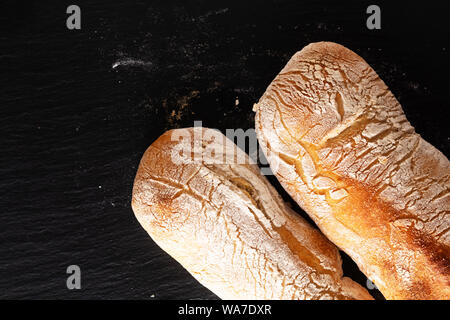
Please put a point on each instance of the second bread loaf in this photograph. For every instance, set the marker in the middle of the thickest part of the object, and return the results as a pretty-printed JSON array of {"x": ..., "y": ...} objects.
[{"x": 200, "y": 199}]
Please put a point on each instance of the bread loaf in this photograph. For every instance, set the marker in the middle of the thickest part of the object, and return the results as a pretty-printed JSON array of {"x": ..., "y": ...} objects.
[
  {"x": 340, "y": 144},
  {"x": 203, "y": 202}
]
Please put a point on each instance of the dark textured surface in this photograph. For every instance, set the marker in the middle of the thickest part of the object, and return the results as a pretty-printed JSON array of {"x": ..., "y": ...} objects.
[{"x": 73, "y": 128}]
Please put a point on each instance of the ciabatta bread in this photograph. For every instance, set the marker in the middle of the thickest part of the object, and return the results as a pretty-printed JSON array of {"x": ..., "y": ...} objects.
[
  {"x": 201, "y": 201},
  {"x": 340, "y": 144}
]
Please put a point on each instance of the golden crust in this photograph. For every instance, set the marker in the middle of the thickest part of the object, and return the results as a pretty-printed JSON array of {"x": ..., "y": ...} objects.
[
  {"x": 228, "y": 227},
  {"x": 344, "y": 150}
]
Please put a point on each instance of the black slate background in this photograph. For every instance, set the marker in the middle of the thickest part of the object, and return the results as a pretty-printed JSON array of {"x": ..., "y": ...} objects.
[{"x": 73, "y": 128}]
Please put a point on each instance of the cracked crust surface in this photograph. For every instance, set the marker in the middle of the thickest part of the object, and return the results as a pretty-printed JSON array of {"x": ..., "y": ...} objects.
[
  {"x": 223, "y": 222},
  {"x": 340, "y": 144}
]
